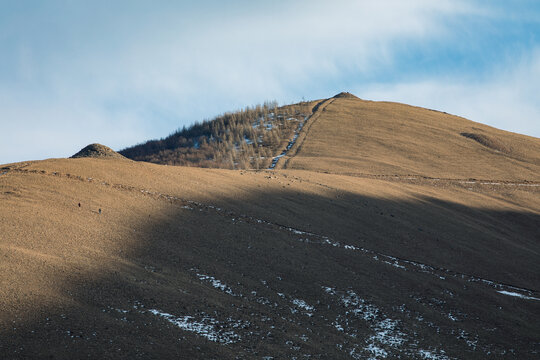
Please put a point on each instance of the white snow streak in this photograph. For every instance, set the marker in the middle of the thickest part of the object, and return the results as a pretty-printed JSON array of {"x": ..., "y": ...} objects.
[
  {"x": 207, "y": 327},
  {"x": 511, "y": 293},
  {"x": 216, "y": 283}
]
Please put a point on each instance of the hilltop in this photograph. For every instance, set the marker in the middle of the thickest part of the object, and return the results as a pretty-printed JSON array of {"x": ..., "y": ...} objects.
[
  {"x": 97, "y": 151},
  {"x": 353, "y": 136},
  {"x": 345, "y": 95},
  {"x": 383, "y": 231}
]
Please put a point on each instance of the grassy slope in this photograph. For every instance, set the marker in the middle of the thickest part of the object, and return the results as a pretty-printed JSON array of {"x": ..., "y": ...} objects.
[
  {"x": 75, "y": 281},
  {"x": 353, "y": 136}
]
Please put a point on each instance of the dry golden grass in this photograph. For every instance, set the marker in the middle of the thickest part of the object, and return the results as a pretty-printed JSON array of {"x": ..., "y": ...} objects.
[
  {"x": 353, "y": 136},
  {"x": 79, "y": 283}
]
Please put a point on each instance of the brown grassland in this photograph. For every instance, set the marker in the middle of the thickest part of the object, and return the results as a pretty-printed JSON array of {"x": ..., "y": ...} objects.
[{"x": 387, "y": 231}]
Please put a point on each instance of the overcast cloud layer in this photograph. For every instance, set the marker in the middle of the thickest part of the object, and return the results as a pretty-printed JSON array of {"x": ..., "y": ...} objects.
[{"x": 119, "y": 73}]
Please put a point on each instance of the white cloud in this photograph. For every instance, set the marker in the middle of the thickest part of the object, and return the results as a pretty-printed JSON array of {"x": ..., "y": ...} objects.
[
  {"x": 40, "y": 130},
  {"x": 122, "y": 73}
]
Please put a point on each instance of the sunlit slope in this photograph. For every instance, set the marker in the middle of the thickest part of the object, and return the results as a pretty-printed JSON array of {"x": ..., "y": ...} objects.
[
  {"x": 348, "y": 135},
  {"x": 263, "y": 261}
]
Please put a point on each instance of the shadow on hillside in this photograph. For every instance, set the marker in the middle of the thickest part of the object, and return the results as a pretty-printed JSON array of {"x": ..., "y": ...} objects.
[{"x": 249, "y": 260}]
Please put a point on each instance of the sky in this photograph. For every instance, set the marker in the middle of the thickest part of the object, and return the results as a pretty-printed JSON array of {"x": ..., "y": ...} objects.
[{"x": 75, "y": 72}]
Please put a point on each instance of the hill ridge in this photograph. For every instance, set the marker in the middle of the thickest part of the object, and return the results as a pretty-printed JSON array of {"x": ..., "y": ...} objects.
[
  {"x": 357, "y": 136},
  {"x": 350, "y": 134}
]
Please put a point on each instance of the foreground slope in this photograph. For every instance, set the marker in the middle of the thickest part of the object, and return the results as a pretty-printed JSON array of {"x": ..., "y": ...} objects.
[
  {"x": 348, "y": 135},
  {"x": 173, "y": 262}
]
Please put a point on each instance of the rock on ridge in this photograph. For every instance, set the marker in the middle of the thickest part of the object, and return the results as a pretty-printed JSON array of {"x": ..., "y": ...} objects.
[{"x": 346, "y": 95}]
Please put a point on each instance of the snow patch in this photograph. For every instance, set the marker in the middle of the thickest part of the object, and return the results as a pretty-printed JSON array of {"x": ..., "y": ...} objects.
[
  {"x": 515, "y": 294},
  {"x": 290, "y": 144},
  {"x": 376, "y": 351},
  {"x": 429, "y": 355},
  {"x": 386, "y": 333},
  {"x": 216, "y": 283},
  {"x": 207, "y": 327},
  {"x": 304, "y": 306}
]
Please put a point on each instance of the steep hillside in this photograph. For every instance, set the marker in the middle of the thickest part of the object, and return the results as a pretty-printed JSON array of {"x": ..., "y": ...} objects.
[
  {"x": 347, "y": 135},
  {"x": 109, "y": 258}
]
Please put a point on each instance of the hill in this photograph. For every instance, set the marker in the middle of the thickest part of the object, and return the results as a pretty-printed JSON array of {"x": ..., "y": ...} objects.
[
  {"x": 348, "y": 135},
  {"x": 110, "y": 258},
  {"x": 353, "y": 136},
  {"x": 246, "y": 139},
  {"x": 97, "y": 151}
]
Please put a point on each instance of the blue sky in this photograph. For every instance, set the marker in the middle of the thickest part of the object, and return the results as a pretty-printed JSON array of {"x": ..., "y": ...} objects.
[{"x": 122, "y": 72}]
